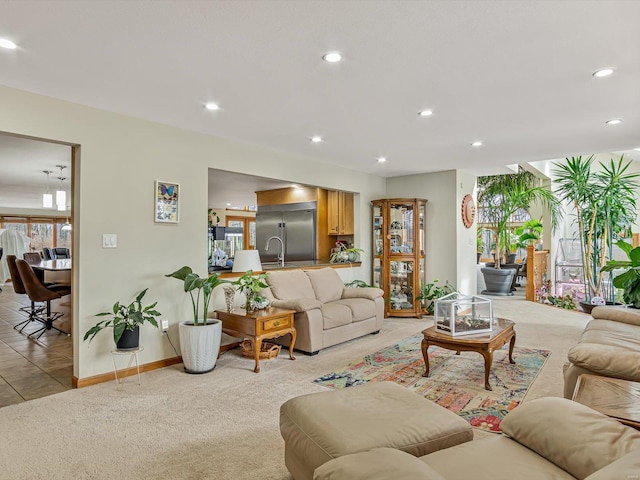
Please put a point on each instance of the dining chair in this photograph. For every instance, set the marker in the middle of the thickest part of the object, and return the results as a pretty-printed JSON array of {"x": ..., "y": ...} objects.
[
  {"x": 18, "y": 287},
  {"x": 32, "y": 258},
  {"x": 38, "y": 292}
]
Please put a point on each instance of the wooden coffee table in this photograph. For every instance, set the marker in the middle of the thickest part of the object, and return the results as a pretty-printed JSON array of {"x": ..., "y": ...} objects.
[
  {"x": 484, "y": 344},
  {"x": 619, "y": 399},
  {"x": 260, "y": 325}
]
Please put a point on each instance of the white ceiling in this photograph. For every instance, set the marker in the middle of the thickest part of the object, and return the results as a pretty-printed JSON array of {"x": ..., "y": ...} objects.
[{"x": 515, "y": 74}]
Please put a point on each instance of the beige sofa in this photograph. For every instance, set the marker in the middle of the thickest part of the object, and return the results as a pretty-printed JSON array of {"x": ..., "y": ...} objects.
[
  {"x": 609, "y": 346},
  {"x": 327, "y": 313},
  {"x": 547, "y": 438}
]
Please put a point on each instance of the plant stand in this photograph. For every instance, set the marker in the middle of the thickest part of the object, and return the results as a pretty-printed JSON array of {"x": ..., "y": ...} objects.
[{"x": 133, "y": 357}]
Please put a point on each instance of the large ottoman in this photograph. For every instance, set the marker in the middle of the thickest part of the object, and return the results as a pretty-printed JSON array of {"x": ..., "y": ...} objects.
[{"x": 322, "y": 426}]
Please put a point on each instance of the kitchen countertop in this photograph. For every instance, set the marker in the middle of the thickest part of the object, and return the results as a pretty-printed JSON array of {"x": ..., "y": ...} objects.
[{"x": 298, "y": 265}]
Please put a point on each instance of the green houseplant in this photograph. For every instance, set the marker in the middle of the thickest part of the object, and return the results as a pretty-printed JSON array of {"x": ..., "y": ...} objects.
[
  {"x": 604, "y": 204},
  {"x": 345, "y": 255},
  {"x": 251, "y": 286},
  {"x": 200, "y": 337},
  {"x": 430, "y": 292},
  {"x": 629, "y": 280},
  {"x": 126, "y": 321},
  {"x": 500, "y": 198}
]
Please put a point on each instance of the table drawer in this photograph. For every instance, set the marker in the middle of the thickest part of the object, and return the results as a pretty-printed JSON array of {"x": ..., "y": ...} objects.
[{"x": 276, "y": 324}]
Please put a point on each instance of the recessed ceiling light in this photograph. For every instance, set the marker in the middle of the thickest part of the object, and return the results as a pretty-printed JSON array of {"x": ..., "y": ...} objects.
[
  {"x": 614, "y": 121},
  {"x": 382, "y": 159},
  {"x": 604, "y": 72},
  {"x": 426, "y": 113},
  {"x": 4, "y": 43},
  {"x": 228, "y": 204},
  {"x": 476, "y": 144},
  {"x": 332, "y": 57},
  {"x": 637, "y": 149},
  {"x": 316, "y": 139},
  {"x": 211, "y": 106}
]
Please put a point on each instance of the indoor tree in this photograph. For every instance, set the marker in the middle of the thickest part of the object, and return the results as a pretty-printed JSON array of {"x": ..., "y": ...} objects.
[
  {"x": 502, "y": 196},
  {"x": 604, "y": 204}
]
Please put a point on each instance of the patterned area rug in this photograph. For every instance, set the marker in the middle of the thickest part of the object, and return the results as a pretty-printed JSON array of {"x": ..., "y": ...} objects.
[{"x": 456, "y": 382}]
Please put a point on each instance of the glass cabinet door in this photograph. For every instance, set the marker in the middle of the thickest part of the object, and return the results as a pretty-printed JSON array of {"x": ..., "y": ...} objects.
[
  {"x": 401, "y": 285},
  {"x": 377, "y": 229},
  {"x": 401, "y": 228}
]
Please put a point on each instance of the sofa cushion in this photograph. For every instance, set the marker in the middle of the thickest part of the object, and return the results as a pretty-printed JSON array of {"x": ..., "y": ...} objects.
[
  {"x": 570, "y": 435},
  {"x": 289, "y": 285},
  {"x": 326, "y": 283},
  {"x": 606, "y": 360},
  {"x": 493, "y": 458},
  {"x": 376, "y": 464},
  {"x": 335, "y": 315},
  {"x": 361, "y": 309},
  {"x": 627, "y": 468},
  {"x": 297, "y": 304}
]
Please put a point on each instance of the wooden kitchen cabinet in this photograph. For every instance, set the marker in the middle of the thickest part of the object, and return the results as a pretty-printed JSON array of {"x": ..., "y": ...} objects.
[
  {"x": 339, "y": 213},
  {"x": 399, "y": 253}
]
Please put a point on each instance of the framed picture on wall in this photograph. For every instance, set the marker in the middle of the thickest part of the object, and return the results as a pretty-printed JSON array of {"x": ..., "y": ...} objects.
[{"x": 167, "y": 202}]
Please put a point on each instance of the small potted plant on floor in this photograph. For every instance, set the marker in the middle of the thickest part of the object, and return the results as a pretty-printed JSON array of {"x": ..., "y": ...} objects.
[
  {"x": 199, "y": 338},
  {"x": 126, "y": 321}
]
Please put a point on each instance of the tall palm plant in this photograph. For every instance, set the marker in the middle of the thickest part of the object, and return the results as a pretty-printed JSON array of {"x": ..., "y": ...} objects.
[
  {"x": 604, "y": 203},
  {"x": 504, "y": 195}
]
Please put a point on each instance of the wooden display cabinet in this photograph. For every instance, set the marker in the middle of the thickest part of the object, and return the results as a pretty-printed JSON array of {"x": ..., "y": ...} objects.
[{"x": 399, "y": 253}]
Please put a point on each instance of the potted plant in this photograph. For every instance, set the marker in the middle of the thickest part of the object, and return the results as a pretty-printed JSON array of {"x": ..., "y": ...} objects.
[
  {"x": 430, "y": 292},
  {"x": 346, "y": 255},
  {"x": 501, "y": 197},
  {"x": 126, "y": 321},
  {"x": 251, "y": 286},
  {"x": 629, "y": 280},
  {"x": 604, "y": 204},
  {"x": 199, "y": 338}
]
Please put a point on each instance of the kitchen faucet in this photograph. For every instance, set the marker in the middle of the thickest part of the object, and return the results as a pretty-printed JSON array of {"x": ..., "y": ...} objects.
[{"x": 281, "y": 254}]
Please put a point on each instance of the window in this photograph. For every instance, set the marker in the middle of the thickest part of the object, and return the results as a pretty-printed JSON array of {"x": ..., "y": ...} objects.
[
  {"x": 248, "y": 239},
  {"x": 43, "y": 231}
]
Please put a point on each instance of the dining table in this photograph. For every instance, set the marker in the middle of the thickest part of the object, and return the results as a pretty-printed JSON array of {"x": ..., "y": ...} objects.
[{"x": 52, "y": 270}]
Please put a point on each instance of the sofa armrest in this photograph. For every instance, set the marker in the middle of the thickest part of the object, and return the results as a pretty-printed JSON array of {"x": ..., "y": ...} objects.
[
  {"x": 616, "y": 314},
  {"x": 298, "y": 304},
  {"x": 376, "y": 464},
  {"x": 370, "y": 293},
  {"x": 575, "y": 438}
]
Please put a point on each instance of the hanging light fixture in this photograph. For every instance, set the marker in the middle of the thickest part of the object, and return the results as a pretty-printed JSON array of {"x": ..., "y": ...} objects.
[
  {"x": 47, "y": 198},
  {"x": 61, "y": 194},
  {"x": 66, "y": 227}
]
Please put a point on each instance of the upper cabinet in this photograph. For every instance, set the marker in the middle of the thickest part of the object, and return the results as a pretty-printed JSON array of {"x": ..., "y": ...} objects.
[{"x": 339, "y": 213}]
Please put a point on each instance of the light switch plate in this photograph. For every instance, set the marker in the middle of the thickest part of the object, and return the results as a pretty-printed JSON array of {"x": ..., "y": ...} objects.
[{"x": 109, "y": 240}]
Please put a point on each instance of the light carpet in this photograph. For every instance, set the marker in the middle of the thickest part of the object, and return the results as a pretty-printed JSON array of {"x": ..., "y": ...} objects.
[
  {"x": 456, "y": 382},
  {"x": 222, "y": 425}
]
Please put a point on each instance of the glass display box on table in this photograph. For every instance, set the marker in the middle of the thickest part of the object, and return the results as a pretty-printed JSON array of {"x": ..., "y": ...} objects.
[
  {"x": 399, "y": 253},
  {"x": 457, "y": 314}
]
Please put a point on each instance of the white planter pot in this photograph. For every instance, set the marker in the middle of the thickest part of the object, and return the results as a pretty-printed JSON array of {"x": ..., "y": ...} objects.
[{"x": 200, "y": 345}]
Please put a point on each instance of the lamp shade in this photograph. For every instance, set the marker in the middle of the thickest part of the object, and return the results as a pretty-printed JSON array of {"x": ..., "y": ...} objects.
[
  {"x": 246, "y": 260},
  {"x": 47, "y": 200}
]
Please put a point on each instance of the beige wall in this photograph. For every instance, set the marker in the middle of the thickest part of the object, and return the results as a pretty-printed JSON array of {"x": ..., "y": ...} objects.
[
  {"x": 120, "y": 157},
  {"x": 449, "y": 254}
]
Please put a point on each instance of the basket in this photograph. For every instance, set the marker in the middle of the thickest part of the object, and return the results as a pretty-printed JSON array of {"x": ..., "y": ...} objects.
[{"x": 267, "y": 350}]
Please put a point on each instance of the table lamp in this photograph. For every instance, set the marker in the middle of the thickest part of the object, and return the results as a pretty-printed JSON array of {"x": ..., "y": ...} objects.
[{"x": 246, "y": 260}]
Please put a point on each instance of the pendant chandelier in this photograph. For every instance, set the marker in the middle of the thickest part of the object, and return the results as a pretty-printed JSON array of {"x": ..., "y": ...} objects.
[
  {"x": 47, "y": 198},
  {"x": 61, "y": 194}
]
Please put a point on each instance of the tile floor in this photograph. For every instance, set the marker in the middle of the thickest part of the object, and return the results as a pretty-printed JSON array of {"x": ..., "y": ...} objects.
[{"x": 32, "y": 368}]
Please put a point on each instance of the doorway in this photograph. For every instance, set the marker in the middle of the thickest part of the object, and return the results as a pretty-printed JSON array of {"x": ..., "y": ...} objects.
[{"x": 33, "y": 367}]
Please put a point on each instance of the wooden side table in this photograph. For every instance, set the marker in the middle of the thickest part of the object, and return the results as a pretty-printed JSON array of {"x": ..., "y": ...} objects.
[
  {"x": 619, "y": 399},
  {"x": 260, "y": 325}
]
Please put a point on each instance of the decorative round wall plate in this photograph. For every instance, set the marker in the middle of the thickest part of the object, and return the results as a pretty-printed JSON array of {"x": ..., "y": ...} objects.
[{"x": 468, "y": 211}]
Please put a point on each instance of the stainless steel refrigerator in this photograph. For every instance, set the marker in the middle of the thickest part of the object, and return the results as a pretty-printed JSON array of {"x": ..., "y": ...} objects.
[{"x": 294, "y": 223}]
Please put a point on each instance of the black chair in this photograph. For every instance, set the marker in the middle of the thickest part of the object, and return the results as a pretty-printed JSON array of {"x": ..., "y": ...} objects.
[
  {"x": 61, "y": 252},
  {"x": 47, "y": 253},
  {"x": 38, "y": 292},
  {"x": 34, "y": 310}
]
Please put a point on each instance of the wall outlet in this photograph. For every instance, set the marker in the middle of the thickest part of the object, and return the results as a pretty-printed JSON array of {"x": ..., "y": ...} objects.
[{"x": 165, "y": 325}]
